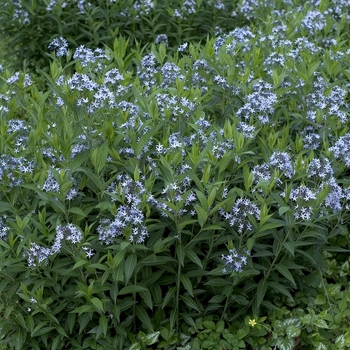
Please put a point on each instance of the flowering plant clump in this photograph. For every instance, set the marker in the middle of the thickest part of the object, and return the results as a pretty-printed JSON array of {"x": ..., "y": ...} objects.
[{"x": 156, "y": 187}]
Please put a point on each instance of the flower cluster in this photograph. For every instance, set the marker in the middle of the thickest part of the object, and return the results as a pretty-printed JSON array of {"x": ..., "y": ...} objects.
[
  {"x": 68, "y": 232},
  {"x": 314, "y": 21},
  {"x": 4, "y": 227},
  {"x": 239, "y": 214},
  {"x": 259, "y": 103},
  {"x": 13, "y": 170},
  {"x": 301, "y": 195},
  {"x": 235, "y": 261},
  {"x": 171, "y": 72},
  {"x": 37, "y": 254},
  {"x": 283, "y": 162},
  {"x": 146, "y": 73},
  {"x": 60, "y": 45},
  {"x": 320, "y": 168},
  {"x": 311, "y": 138},
  {"x": 335, "y": 195},
  {"x": 87, "y": 56},
  {"x": 176, "y": 192},
  {"x": 162, "y": 39},
  {"x": 341, "y": 149},
  {"x": 261, "y": 172},
  {"x": 129, "y": 220},
  {"x": 142, "y": 7}
]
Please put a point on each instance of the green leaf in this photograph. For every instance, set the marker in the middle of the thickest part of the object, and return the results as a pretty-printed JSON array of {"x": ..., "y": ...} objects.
[
  {"x": 292, "y": 332},
  {"x": 180, "y": 253},
  {"x": 99, "y": 266},
  {"x": 202, "y": 200},
  {"x": 99, "y": 157},
  {"x": 343, "y": 305},
  {"x": 290, "y": 246},
  {"x": 217, "y": 282},
  {"x": 193, "y": 257},
  {"x": 78, "y": 161},
  {"x": 142, "y": 315},
  {"x": 169, "y": 295},
  {"x": 271, "y": 225},
  {"x": 135, "y": 346},
  {"x": 189, "y": 320},
  {"x": 129, "y": 267},
  {"x": 166, "y": 171},
  {"x": 103, "y": 322},
  {"x": 285, "y": 344},
  {"x": 76, "y": 210},
  {"x": 98, "y": 304},
  {"x": 275, "y": 286},
  {"x": 83, "y": 321},
  {"x": 152, "y": 338},
  {"x": 202, "y": 215},
  {"x": 211, "y": 228},
  {"x": 313, "y": 68},
  {"x": 152, "y": 278},
  {"x": 82, "y": 309},
  {"x": 154, "y": 260},
  {"x": 206, "y": 173},
  {"x": 209, "y": 325},
  {"x": 40, "y": 329},
  {"x": 56, "y": 342},
  {"x": 71, "y": 321},
  {"x": 283, "y": 210},
  {"x": 190, "y": 302},
  {"x": 131, "y": 289},
  {"x": 211, "y": 196},
  {"x": 147, "y": 298},
  {"x": 117, "y": 259},
  {"x": 4, "y": 206},
  {"x": 225, "y": 160},
  {"x": 80, "y": 263},
  {"x": 260, "y": 292},
  {"x": 93, "y": 178},
  {"x": 220, "y": 326},
  {"x": 61, "y": 331},
  {"x": 283, "y": 270},
  {"x": 185, "y": 280},
  {"x": 19, "y": 339},
  {"x": 147, "y": 136}
]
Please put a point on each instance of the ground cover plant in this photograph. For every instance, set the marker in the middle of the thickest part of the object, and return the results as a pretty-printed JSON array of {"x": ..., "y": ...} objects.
[{"x": 181, "y": 194}]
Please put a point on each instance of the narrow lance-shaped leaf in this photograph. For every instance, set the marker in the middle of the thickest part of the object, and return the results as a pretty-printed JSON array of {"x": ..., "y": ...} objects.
[
  {"x": 143, "y": 317},
  {"x": 260, "y": 293},
  {"x": 285, "y": 272},
  {"x": 130, "y": 264},
  {"x": 185, "y": 280},
  {"x": 202, "y": 215},
  {"x": 169, "y": 295},
  {"x": 180, "y": 253}
]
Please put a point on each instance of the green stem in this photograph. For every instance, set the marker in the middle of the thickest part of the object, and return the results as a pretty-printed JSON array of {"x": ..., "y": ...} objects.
[
  {"x": 209, "y": 252},
  {"x": 178, "y": 296},
  {"x": 324, "y": 287},
  {"x": 134, "y": 305},
  {"x": 279, "y": 250},
  {"x": 178, "y": 280},
  {"x": 227, "y": 299}
]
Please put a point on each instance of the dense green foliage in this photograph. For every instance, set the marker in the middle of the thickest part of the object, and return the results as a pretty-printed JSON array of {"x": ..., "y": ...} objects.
[
  {"x": 177, "y": 195},
  {"x": 30, "y": 26}
]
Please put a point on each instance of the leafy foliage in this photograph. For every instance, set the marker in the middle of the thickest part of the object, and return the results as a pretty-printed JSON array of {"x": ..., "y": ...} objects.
[
  {"x": 172, "y": 191},
  {"x": 31, "y": 26}
]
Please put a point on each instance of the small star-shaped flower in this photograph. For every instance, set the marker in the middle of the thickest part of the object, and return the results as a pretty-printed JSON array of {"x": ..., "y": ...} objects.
[{"x": 252, "y": 322}]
